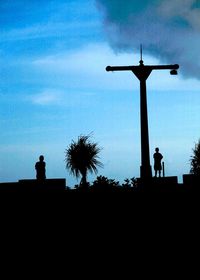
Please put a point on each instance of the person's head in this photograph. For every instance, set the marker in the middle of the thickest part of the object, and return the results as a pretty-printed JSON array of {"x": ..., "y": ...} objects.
[
  {"x": 157, "y": 150},
  {"x": 41, "y": 158}
]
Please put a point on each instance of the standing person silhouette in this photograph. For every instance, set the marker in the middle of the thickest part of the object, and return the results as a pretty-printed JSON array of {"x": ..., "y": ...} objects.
[
  {"x": 157, "y": 162},
  {"x": 40, "y": 169}
]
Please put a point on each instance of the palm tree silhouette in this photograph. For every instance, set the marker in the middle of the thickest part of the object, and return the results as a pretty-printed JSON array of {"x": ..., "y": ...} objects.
[
  {"x": 195, "y": 160},
  {"x": 82, "y": 157}
]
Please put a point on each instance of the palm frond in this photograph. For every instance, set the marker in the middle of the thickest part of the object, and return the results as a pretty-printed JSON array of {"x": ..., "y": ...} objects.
[
  {"x": 195, "y": 160},
  {"x": 82, "y": 156}
]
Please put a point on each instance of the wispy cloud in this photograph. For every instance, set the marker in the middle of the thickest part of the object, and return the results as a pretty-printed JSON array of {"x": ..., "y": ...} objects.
[
  {"x": 61, "y": 98},
  {"x": 85, "y": 68},
  {"x": 46, "y": 97},
  {"x": 54, "y": 19},
  {"x": 38, "y": 31}
]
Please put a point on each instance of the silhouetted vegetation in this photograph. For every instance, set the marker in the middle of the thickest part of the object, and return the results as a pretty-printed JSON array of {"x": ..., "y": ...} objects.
[
  {"x": 195, "y": 160},
  {"x": 105, "y": 185},
  {"x": 102, "y": 183},
  {"x": 82, "y": 157},
  {"x": 130, "y": 183}
]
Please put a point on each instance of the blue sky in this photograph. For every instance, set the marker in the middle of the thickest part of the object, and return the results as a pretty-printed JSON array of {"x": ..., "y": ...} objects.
[{"x": 54, "y": 87}]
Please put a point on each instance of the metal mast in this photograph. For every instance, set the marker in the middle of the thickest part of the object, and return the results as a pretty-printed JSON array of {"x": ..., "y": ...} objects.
[{"x": 142, "y": 72}]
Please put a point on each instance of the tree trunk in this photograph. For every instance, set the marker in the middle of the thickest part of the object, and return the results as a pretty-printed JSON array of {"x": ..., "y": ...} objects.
[{"x": 84, "y": 183}]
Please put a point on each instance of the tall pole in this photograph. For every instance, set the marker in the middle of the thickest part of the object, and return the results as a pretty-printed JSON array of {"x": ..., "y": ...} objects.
[
  {"x": 142, "y": 72},
  {"x": 145, "y": 169}
]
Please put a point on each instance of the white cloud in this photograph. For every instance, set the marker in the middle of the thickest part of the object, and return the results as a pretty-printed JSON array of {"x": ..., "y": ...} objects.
[
  {"x": 47, "y": 97},
  {"x": 85, "y": 68}
]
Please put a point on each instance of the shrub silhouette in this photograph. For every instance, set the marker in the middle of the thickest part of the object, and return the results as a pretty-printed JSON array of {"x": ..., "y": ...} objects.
[
  {"x": 195, "y": 160},
  {"x": 103, "y": 183},
  {"x": 130, "y": 183},
  {"x": 82, "y": 157}
]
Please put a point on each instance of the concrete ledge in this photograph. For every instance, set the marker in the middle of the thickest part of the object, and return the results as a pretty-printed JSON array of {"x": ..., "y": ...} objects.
[
  {"x": 160, "y": 184},
  {"x": 191, "y": 180},
  {"x": 8, "y": 186},
  {"x": 48, "y": 184},
  {"x": 165, "y": 183},
  {"x": 172, "y": 180},
  {"x": 34, "y": 185}
]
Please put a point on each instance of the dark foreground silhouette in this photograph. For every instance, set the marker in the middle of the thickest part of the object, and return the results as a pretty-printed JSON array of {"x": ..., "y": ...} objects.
[
  {"x": 142, "y": 72},
  {"x": 40, "y": 168},
  {"x": 157, "y": 162},
  {"x": 105, "y": 185}
]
